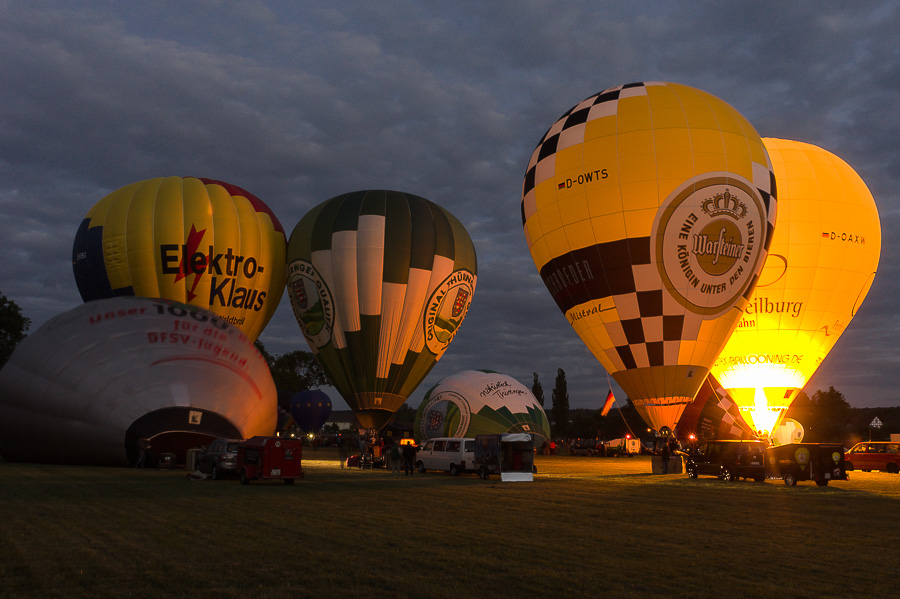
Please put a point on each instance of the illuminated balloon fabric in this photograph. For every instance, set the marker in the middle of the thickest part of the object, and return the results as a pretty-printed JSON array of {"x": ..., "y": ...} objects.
[
  {"x": 647, "y": 209},
  {"x": 379, "y": 282},
  {"x": 197, "y": 241},
  {"x": 821, "y": 264},
  {"x": 90, "y": 382},
  {"x": 712, "y": 415},
  {"x": 310, "y": 409},
  {"x": 474, "y": 402}
]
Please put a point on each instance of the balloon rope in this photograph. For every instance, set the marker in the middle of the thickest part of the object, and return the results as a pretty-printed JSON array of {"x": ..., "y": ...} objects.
[{"x": 616, "y": 403}]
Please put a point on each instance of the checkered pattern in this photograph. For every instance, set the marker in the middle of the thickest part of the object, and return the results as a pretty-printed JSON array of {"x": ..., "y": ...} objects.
[{"x": 569, "y": 131}]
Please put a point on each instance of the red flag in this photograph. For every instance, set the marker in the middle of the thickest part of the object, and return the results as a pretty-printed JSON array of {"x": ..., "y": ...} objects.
[{"x": 610, "y": 400}]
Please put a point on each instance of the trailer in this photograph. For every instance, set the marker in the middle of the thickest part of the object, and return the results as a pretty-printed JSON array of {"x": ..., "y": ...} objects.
[
  {"x": 793, "y": 462},
  {"x": 270, "y": 458},
  {"x": 509, "y": 455}
]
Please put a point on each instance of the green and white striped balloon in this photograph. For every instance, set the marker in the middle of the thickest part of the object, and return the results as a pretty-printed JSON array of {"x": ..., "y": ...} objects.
[{"x": 379, "y": 282}]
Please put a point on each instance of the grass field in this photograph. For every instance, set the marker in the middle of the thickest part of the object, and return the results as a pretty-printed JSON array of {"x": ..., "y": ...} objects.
[{"x": 586, "y": 527}]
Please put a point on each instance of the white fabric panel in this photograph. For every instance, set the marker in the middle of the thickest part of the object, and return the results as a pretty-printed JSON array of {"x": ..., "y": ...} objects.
[
  {"x": 370, "y": 256},
  {"x": 322, "y": 261},
  {"x": 343, "y": 263},
  {"x": 413, "y": 312},
  {"x": 391, "y": 316}
]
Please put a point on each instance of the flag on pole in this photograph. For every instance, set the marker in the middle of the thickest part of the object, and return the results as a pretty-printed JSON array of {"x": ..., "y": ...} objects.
[{"x": 610, "y": 400}]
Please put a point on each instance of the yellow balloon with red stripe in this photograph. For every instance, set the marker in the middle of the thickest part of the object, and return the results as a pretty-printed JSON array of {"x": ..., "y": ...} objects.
[
  {"x": 647, "y": 209},
  {"x": 198, "y": 241},
  {"x": 821, "y": 264}
]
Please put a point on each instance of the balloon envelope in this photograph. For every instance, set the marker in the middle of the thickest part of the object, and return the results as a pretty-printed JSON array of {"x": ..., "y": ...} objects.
[
  {"x": 379, "y": 282},
  {"x": 712, "y": 415},
  {"x": 310, "y": 409},
  {"x": 647, "y": 209},
  {"x": 474, "y": 402},
  {"x": 821, "y": 264},
  {"x": 90, "y": 382},
  {"x": 196, "y": 241}
]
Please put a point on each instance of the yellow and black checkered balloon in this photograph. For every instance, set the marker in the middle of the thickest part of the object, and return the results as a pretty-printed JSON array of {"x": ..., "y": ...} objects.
[{"x": 648, "y": 209}]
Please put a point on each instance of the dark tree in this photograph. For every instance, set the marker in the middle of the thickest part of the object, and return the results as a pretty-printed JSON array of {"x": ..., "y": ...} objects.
[
  {"x": 294, "y": 371},
  {"x": 13, "y": 327},
  {"x": 832, "y": 415},
  {"x": 538, "y": 390},
  {"x": 561, "y": 404}
]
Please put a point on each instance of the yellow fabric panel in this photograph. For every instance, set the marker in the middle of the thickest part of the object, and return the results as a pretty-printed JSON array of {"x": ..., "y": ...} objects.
[
  {"x": 610, "y": 227},
  {"x": 580, "y": 234},
  {"x": 540, "y": 253},
  {"x": 633, "y": 115},
  {"x": 574, "y": 208},
  {"x": 640, "y": 195},
  {"x": 635, "y": 143},
  {"x": 557, "y": 242},
  {"x": 639, "y": 222},
  {"x": 140, "y": 234},
  {"x": 600, "y": 128},
  {"x": 639, "y": 169},
  {"x": 569, "y": 159}
]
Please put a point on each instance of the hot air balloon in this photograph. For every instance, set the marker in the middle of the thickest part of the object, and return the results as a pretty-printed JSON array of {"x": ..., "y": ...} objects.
[
  {"x": 91, "y": 382},
  {"x": 821, "y": 264},
  {"x": 712, "y": 415},
  {"x": 197, "y": 241},
  {"x": 648, "y": 209},
  {"x": 379, "y": 282},
  {"x": 310, "y": 409},
  {"x": 475, "y": 402}
]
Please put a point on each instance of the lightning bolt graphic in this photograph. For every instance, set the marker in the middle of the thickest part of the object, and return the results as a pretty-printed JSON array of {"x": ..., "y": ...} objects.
[{"x": 190, "y": 248}]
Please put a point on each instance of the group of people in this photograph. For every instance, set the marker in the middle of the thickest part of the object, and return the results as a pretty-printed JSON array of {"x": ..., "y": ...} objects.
[{"x": 394, "y": 455}]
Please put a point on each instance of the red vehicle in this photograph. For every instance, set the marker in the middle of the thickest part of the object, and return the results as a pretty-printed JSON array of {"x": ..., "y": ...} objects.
[{"x": 269, "y": 458}]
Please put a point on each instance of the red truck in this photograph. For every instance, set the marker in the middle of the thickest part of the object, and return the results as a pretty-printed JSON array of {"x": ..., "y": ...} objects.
[{"x": 269, "y": 458}]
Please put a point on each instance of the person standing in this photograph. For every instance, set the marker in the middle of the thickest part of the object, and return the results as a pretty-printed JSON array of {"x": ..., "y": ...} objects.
[
  {"x": 395, "y": 456},
  {"x": 343, "y": 447},
  {"x": 409, "y": 458},
  {"x": 664, "y": 457},
  {"x": 143, "y": 445}
]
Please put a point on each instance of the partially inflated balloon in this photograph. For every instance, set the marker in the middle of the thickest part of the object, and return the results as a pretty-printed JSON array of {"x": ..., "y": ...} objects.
[
  {"x": 712, "y": 415},
  {"x": 310, "y": 409},
  {"x": 197, "y": 241},
  {"x": 477, "y": 402},
  {"x": 821, "y": 264},
  {"x": 647, "y": 209},
  {"x": 379, "y": 281},
  {"x": 89, "y": 383}
]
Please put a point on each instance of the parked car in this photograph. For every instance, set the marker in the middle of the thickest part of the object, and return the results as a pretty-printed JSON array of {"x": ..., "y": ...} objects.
[
  {"x": 588, "y": 447},
  {"x": 219, "y": 458},
  {"x": 450, "y": 454},
  {"x": 821, "y": 462},
  {"x": 874, "y": 455},
  {"x": 728, "y": 460}
]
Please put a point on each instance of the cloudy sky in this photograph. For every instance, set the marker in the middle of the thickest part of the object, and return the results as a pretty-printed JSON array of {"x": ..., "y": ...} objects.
[{"x": 298, "y": 102}]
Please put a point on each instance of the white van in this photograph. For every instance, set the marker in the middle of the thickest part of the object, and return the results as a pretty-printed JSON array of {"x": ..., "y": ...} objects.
[{"x": 449, "y": 454}]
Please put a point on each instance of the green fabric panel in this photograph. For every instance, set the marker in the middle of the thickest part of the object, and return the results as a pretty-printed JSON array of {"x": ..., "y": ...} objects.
[
  {"x": 374, "y": 201},
  {"x": 465, "y": 249},
  {"x": 422, "y": 244},
  {"x": 301, "y": 240},
  {"x": 333, "y": 362},
  {"x": 443, "y": 232},
  {"x": 355, "y": 360},
  {"x": 368, "y": 339},
  {"x": 323, "y": 225},
  {"x": 420, "y": 367},
  {"x": 397, "y": 238},
  {"x": 347, "y": 216}
]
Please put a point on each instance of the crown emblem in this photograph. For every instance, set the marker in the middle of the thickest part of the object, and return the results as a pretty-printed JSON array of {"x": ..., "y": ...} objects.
[{"x": 724, "y": 204}]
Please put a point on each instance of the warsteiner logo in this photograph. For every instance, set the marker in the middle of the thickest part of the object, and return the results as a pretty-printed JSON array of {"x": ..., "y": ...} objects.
[
  {"x": 446, "y": 309},
  {"x": 708, "y": 238},
  {"x": 311, "y": 301}
]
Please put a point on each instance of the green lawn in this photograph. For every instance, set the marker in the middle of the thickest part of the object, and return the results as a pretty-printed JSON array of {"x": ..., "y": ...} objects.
[{"x": 586, "y": 527}]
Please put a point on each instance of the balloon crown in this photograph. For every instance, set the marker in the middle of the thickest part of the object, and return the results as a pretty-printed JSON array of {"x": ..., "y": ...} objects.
[{"x": 725, "y": 203}]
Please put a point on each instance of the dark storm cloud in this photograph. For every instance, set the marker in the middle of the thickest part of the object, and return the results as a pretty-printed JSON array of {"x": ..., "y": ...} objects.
[{"x": 298, "y": 102}]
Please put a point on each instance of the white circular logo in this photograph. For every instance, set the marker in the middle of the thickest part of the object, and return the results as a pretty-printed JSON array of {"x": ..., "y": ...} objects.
[
  {"x": 311, "y": 301},
  {"x": 446, "y": 309},
  {"x": 709, "y": 235}
]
